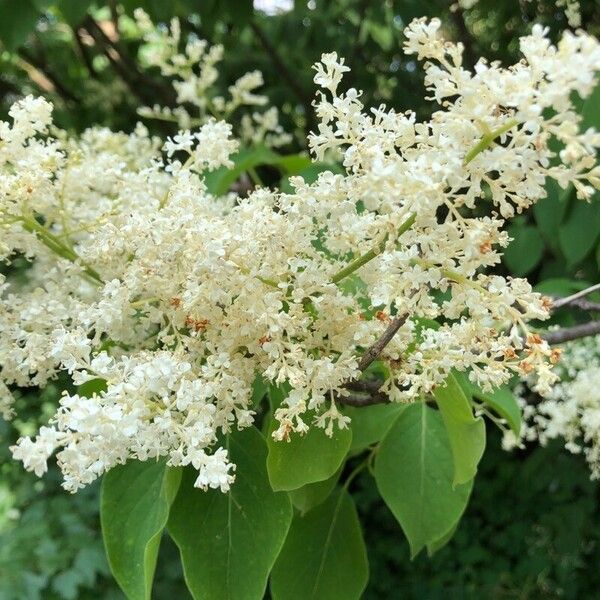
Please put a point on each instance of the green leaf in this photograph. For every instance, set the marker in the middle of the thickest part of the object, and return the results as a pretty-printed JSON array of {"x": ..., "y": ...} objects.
[
  {"x": 310, "y": 174},
  {"x": 578, "y": 235},
  {"x": 259, "y": 390},
  {"x": 311, "y": 495},
  {"x": 73, "y": 11},
  {"x": 305, "y": 458},
  {"x": 17, "y": 21},
  {"x": 229, "y": 542},
  {"x": 134, "y": 508},
  {"x": 324, "y": 556},
  {"x": 293, "y": 164},
  {"x": 439, "y": 544},
  {"x": 549, "y": 212},
  {"x": 370, "y": 423},
  {"x": 220, "y": 180},
  {"x": 465, "y": 432},
  {"x": 560, "y": 286},
  {"x": 590, "y": 111},
  {"x": 525, "y": 251},
  {"x": 414, "y": 471},
  {"x": 502, "y": 401},
  {"x": 91, "y": 387}
]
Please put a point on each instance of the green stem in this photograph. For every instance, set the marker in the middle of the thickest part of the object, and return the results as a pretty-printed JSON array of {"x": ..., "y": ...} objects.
[
  {"x": 372, "y": 253},
  {"x": 266, "y": 281},
  {"x": 57, "y": 246},
  {"x": 361, "y": 466},
  {"x": 256, "y": 180},
  {"x": 488, "y": 139},
  {"x": 367, "y": 463},
  {"x": 143, "y": 302},
  {"x": 449, "y": 274}
]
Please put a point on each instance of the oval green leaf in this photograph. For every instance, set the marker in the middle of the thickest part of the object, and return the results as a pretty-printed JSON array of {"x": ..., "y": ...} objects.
[
  {"x": 324, "y": 556},
  {"x": 311, "y": 495},
  {"x": 305, "y": 458},
  {"x": 525, "y": 251},
  {"x": 134, "y": 508},
  {"x": 466, "y": 433},
  {"x": 579, "y": 233},
  {"x": 229, "y": 542},
  {"x": 370, "y": 423},
  {"x": 414, "y": 471}
]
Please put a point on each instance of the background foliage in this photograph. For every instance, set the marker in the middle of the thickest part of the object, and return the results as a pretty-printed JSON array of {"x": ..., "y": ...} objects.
[{"x": 532, "y": 528}]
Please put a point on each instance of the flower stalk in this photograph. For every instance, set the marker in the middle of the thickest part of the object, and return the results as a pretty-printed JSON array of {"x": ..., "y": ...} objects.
[
  {"x": 58, "y": 246},
  {"x": 488, "y": 139},
  {"x": 362, "y": 260}
]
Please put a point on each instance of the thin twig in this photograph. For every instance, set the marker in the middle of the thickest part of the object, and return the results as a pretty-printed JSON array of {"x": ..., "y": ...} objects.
[
  {"x": 376, "y": 349},
  {"x": 359, "y": 400},
  {"x": 366, "y": 392},
  {"x": 66, "y": 94},
  {"x": 569, "y": 299},
  {"x": 83, "y": 54}
]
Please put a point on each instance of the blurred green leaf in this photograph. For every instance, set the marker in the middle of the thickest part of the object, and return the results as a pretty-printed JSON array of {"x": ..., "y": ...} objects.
[
  {"x": 309, "y": 174},
  {"x": 580, "y": 232},
  {"x": 73, "y": 11},
  {"x": 525, "y": 251},
  {"x": 549, "y": 212},
  {"x": 18, "y": 19},
  {"x": 220, "y": 180}
]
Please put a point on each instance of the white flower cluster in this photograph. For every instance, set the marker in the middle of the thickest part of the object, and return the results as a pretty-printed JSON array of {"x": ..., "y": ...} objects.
[
  {"x": 194, "y": 72},
  {"x": 178, "y": 300},
  {"x": 572, "y": 410}
]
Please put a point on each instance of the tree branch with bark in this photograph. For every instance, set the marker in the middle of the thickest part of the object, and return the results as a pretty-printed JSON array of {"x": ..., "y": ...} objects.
[{"x": 367, "y": 392}]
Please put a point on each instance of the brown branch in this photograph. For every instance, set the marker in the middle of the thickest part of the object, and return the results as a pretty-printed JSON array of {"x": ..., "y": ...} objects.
[
  {"x": 113, "y": 57},
  {"x": 359, "y": 400},
  {"x": 375, "y": 350},
  {"x": 126, "y": 68},
  {"x": 575, "y": 332},
  {"x": 366, "y": 392},
  {"x": 43, "y": 68},
  {"x": 84, "y": 55}
]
